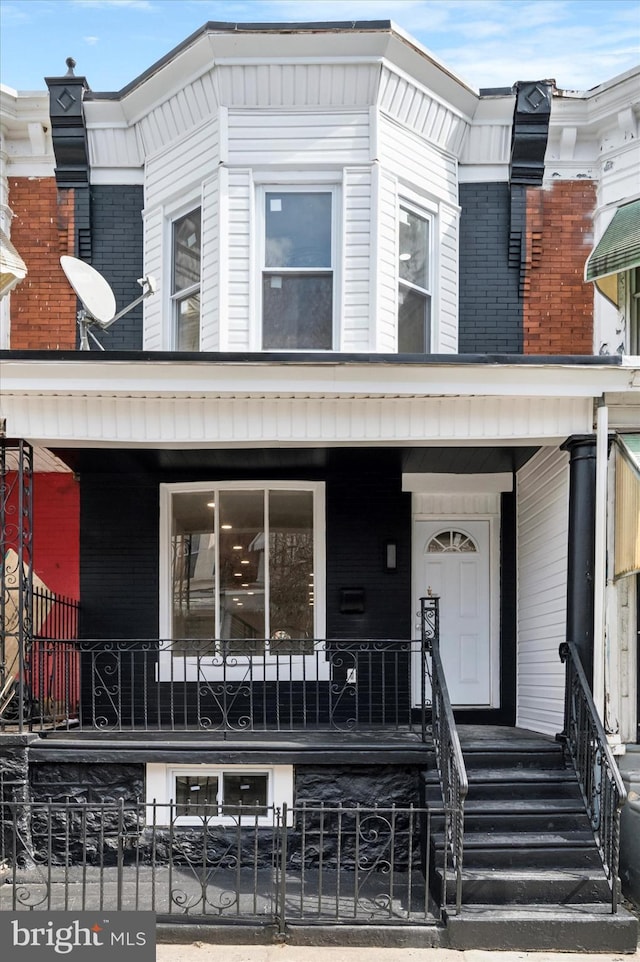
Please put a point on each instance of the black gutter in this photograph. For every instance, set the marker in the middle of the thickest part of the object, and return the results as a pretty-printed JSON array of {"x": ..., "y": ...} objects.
[{"x": 320, "y": 359}]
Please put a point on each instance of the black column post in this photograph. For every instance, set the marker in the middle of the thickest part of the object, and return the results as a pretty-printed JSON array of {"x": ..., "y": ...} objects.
[{"x": 582, "y": 535}]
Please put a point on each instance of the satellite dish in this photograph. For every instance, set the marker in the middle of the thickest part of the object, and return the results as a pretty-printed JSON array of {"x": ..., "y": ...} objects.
[{"x": 97, "y": 299}]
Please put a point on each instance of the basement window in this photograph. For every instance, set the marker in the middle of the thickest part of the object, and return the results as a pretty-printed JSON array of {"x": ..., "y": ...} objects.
[{"x": 222, "y": 795}]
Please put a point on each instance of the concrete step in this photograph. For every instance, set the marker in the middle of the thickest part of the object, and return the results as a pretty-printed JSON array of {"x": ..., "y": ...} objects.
[
  {"x": 536, "y": 928},
  {"x": 568, "y": 850},
  {"x": 524, "y": 886},
  {"x": 550, "y": 758}
]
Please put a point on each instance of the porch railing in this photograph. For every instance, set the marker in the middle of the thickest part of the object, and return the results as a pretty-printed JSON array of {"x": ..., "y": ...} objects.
[
  {"x": 446, "y": 742},
  {"x": 312, "y": 862},
  {"x": 206, "y": 685},
  {"x": 600, "y": 781},
  {"x": 42, "y": 679}
]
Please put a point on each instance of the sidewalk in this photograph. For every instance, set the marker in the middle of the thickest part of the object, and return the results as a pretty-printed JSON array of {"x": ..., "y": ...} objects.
[{"x": 199, "y": 952}]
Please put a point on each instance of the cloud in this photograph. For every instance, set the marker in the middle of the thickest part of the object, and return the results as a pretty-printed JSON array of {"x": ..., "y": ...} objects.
[{"x": 91, "y": 41}]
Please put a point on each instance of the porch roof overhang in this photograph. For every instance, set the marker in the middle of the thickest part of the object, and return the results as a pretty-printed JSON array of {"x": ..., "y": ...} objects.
[{"x": 84, "y": 399}]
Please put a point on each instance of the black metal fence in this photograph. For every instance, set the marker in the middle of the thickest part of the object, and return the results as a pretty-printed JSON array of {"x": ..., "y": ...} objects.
[
  {"x": 152, "y": 685},
  {"x": 308, "y": 863},
  {"x": 600, "y": 781},
  {"x": 42, "y": 685}
]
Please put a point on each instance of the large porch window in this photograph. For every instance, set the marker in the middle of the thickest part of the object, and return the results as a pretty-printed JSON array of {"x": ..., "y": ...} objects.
[{"x": 244, "y": 566}]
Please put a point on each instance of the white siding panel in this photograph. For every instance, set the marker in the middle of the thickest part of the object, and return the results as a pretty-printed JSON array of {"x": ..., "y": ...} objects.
[
  {"x": 114, "y": 147},
  {"x": 152, "y": 306},
  {"x": 298, "y": 137},
  {"x": 446, "y": 294},
  {"x": 210, "y": 291},
  {"x": 235, "y": 334},
  {"x": 173, "y": 119},
  {"x": 180, "y": 167},
  {"x": 386, "y": 271},
  {"x": 356, "y": 261},
  {"x": 543, "y": 512},
  {"x": 411, "y": 158},
  {"x": 297, "y": 84},
  {"x": 414, "y": 107}
]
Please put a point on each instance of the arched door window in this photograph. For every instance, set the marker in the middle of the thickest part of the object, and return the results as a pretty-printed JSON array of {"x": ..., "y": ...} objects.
[{"x": 451, "y": 542}]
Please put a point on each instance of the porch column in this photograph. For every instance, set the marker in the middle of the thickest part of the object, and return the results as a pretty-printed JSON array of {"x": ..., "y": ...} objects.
[{"x": 581, "y": 553}]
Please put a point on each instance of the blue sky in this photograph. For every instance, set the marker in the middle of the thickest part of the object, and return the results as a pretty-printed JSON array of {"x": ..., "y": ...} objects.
[{"x": 579, "y": 43}]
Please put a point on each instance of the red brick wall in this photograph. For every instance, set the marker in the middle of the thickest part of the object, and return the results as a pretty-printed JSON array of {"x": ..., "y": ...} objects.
[
  {"x": 43, "y": 306},
  {"x": 558, "y": 305}
]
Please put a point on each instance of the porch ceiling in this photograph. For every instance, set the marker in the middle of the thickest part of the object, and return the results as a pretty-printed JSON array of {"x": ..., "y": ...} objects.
[{"x": 237, "y": 462}]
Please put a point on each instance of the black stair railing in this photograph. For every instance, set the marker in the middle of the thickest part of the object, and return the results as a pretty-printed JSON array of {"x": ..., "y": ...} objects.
[
  {"x": 600, "y": 781},
  {"x": 446, "y": 742}
]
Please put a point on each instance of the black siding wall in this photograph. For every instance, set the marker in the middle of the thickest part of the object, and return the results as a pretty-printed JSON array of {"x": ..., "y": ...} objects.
[
  {"x": 119, "y": 545},
  {"x": 365, "y": 506},
  {"x": 116, "y": 251},
  {"x": 490, "y": 307}
]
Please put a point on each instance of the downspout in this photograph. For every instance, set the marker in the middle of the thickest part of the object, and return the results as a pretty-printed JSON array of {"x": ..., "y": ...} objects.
[{"x": 600, "y": 559}]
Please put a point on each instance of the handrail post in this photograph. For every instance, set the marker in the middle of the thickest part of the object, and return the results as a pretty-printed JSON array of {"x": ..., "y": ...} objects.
[{"x": 446, "y": 742}]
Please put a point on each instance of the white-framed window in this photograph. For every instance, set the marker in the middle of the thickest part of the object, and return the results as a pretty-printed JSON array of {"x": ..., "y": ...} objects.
[
  {"x": 186, "y": 250},
  {"x": 298, "y": 266},
  {"x": 414, "y": 279},
  {"x": 243, "y": 562},
  {"x": 219, "y": 794}
]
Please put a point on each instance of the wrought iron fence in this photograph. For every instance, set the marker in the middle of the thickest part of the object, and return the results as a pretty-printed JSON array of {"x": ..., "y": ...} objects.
[
  {"x": 309, "y": 863},
  {"x": 152, "y": 685},
  {"x": 46, "y": 691},
  {"x": 446, "y": 742},
  {"x": 600, "y": 781}
]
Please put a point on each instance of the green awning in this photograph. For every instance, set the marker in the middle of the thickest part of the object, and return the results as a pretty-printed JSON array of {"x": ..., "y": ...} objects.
[{"x": 618, "y": 249}]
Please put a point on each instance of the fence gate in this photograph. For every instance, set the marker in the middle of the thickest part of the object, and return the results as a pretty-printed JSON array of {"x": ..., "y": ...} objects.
[{"x": 16, "y": 577}]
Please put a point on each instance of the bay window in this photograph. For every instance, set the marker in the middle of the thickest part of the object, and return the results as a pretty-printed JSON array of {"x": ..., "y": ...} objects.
[
  {"x": 185, "y": 280},
  {"x": 298, "y": 269},
  {"x": 414, "y": 282}
]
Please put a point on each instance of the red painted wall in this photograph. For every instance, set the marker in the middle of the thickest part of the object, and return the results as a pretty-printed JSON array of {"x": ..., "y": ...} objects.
[{"x": 56, "y": 530}]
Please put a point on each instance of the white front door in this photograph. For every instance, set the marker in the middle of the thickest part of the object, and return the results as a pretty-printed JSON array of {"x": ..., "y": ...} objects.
[{"x": 451, "y": 559}]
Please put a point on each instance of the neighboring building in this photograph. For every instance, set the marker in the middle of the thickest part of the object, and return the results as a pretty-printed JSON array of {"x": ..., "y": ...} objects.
[{"x": 372, "y": 371}]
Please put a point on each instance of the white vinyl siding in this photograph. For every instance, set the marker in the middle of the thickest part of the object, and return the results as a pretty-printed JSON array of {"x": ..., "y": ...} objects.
[
  {"x": 385, "y": 275},
  {"x": 211, "y": 250},
  {"x": 543, "y": 519},
  {"x": 422, "y": 171},
  {"x": 235, "y": 334},
  {"x": 356, "y": 265},
  {"x": 175, "y": 170},
  {"x": 305, "y": 137},
  {"x": 154, "y": 308}
]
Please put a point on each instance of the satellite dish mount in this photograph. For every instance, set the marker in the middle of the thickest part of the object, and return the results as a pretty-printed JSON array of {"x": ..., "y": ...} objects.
[{"x": 97, "y": 299}]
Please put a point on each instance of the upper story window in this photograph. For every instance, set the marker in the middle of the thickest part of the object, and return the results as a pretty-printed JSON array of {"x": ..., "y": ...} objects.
[
  {"x": 414, "y": 281},
  {"x": 185, "y": 281},
  {"x": 298, "y": 270}
]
